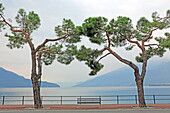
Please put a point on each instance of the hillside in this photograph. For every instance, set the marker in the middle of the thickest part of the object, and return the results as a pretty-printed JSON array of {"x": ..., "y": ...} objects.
[
  {"x": 157, "y": 74},
  {"x": 10, "y": 79}
]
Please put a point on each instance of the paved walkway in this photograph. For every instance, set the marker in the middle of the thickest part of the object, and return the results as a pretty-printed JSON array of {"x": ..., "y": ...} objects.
[
  {"x": 91, "y": 111},
  {"x": 85, "y": 107}
]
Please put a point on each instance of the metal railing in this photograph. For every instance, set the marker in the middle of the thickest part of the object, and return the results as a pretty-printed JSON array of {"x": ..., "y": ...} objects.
[{"x": 109, "y": 99}]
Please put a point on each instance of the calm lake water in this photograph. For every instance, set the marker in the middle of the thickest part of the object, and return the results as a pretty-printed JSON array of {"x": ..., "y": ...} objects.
[
  {"x": 90, "y": 91},
  {"x": 108, "y": 93}
]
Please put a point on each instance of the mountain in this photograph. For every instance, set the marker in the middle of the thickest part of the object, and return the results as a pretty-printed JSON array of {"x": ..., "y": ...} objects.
[
  {"x": 157, "y": 74},
  {"x": 10, "y": 79}
]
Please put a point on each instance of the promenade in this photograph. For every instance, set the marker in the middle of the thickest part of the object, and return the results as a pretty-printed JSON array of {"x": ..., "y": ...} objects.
[
  {"x": 122, "y": 108},
  {"x": 91, "y": 111},
  {"x": 112, "y": 108},
  {"x": 85, "y": 107}
]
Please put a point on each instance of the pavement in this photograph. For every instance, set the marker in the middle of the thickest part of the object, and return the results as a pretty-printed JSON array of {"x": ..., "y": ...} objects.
[
  {"x": 85, "y": 107},
  {"x": 90, "y": 111}
]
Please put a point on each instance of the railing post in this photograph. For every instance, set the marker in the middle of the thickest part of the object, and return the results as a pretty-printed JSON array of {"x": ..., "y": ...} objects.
[
  {"x": 3, "y": 100},
  {"x": 117, "y": 99},
  {"x": 136, "y": 99},
  {"x": 61, "y": 100},
  {"x": 22, "y": 100},
  {"x": 42, "y": 99},
  {"x": 80, "y": 99},
  {"x": 100, "y": 100},
  {"x": 154, "y": 99}
]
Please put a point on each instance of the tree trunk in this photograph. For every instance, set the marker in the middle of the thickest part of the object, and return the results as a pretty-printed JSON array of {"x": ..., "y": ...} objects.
[
  {"x": 36, "y": 93},
  {"x": 139, "y": 79},
  {"x": 141, "y": 97},
  {"x": 35, "y": 83}
]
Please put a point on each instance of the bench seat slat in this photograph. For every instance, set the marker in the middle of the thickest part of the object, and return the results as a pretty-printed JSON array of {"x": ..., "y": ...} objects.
[{"x": 88, "y": 100}]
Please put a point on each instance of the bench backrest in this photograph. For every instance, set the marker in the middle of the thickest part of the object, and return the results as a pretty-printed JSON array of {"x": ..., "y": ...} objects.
[{"x": 88, "y": 100}]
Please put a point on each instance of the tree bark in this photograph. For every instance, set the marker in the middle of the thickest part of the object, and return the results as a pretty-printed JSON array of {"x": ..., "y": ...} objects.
[
  {"x": 35, "y": 83},
  {"x": 141, "y": 98},
  {"x": 36, "y": 93}
]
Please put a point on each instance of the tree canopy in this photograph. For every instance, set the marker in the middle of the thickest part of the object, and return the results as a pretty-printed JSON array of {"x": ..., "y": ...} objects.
[
  {"x": 61, "y": 48},
  {"x": 120, "y": 32}
]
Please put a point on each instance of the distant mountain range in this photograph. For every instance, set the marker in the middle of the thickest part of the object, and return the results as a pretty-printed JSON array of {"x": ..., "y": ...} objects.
[
  {"x": 158, "y": 73},
  {"x": 10, "y": 79}
]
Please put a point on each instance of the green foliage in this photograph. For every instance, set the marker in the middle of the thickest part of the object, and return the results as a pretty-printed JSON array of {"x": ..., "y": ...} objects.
[
  {"x": 143, "y": 25},
  {"x": 94, "y": 66},
  {"x": 123, "y": 25},
  {"x": 168, "y": 13},
  {"x": 159, "y": 51},
  {"x": 84, "y": 54},
  {"x": 163, "y": 22},
  {"x": 29, "y": 22},
  {"x": 122, "y": 33},
  {"x": 57, "y": 51},
  {"x": 2, "y": 25},
  {"x": 89, "y": 56},
  {"x": 155, "y": 16},
  {"x": 48, "y": 58},
  {"x": 129, "y": 47},
  {"x": 117, "y": 28},
  {"x": 93, "y": 28},
  {"x": 1, "y": 9},
  {"x": 68, "y": 48},
  {"x": 164, "y": 42},
  {"x": 68, "y": 55},
  {"x": 66, "y": 28},
  {"x": 17, "y": 40},
  {"x": 143, "y": 28},
  {"x": 21, "y": 18}
]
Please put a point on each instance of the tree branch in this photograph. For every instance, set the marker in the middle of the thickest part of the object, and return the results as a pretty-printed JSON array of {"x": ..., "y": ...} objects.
[
  {"x": 150, "y": 33},
  {"x": 102, "y": 50},
  {"x": 11, "y": 27},
  {"x": 51, "y": 40},
  {"x": 131, "y": 64},
  {"x": 150, "y": 45},
  {"x": 51, "y": 52},
  {"x": 164, "y": 18},
  {"x": 144, "y": 52},
  {"x": 131, "y": 41},
  {"x": 104, "y": 56},
  {"x": 21, "y": 31},
  {"x": 108, "y": 39}
]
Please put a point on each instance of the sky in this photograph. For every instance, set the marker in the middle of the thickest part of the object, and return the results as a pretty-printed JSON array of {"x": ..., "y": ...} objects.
[{"x": 52, "y": 12}]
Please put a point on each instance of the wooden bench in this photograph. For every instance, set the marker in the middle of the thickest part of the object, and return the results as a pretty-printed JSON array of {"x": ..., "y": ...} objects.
[{"x": 88, "y": 100}]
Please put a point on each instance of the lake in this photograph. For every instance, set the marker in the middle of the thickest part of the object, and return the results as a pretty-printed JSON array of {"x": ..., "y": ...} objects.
[
  {"x": 109, "y": 95},
  {"x": 90, "y": 91}
]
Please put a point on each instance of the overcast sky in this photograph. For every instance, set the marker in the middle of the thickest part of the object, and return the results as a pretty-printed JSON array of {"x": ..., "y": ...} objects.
[{"x": 52, "y": 13}]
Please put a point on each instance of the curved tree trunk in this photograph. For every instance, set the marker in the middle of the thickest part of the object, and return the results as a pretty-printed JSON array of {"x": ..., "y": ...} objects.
[{"x": 139, "y": 78}]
